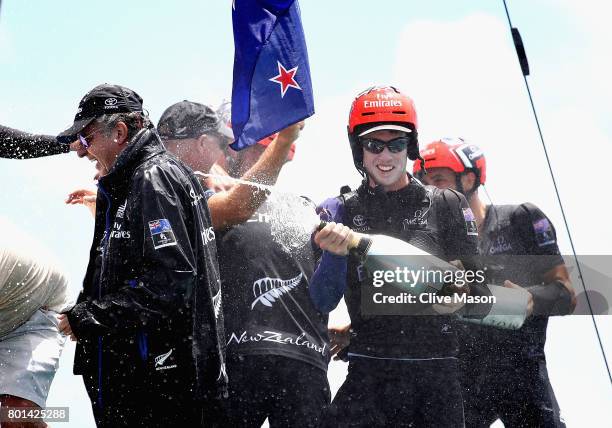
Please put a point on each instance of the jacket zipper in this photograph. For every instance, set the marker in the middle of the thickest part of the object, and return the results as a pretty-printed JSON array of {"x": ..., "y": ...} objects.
[{"x": 102, "y": 245}]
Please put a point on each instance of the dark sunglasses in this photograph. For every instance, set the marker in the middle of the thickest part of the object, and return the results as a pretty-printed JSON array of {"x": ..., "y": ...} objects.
[{"x": 375, "y": 146}]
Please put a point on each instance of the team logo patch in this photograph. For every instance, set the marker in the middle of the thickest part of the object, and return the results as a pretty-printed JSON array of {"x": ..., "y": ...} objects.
[
  {"x": 268, "y": 290},
  {"x": 417, "y": 220},
  {"x": 160, "y": 361},
  {"x": 217, "y": 304},
  {"x": 161, "y": 233},
  {"x": 544, "y": 232},
  {"x": 470, "y": 221},
  {"x": 500, "y": 245}
]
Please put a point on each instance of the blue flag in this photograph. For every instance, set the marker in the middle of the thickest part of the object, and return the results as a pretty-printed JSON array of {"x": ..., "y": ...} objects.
[{"x": 271, "y": 87}]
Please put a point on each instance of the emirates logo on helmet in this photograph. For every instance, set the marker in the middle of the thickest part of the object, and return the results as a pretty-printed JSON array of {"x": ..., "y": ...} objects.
[{"x": 381, "y": 103}]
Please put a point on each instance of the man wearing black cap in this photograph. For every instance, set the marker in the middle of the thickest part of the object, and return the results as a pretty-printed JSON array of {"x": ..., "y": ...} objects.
[
  {"x": 148, "y": 321},
  {"x": 194, "y": 133},
  {"x": 198, "y": 137}
]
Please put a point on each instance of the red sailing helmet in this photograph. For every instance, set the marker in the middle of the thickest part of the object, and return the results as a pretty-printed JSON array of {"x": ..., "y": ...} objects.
[
  {"x": 456, "y": 154},
  {"x": 381, "y": 107}
]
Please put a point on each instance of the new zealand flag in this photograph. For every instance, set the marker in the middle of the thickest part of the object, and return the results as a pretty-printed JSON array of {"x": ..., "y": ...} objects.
[{"x": 271, "y": 87}]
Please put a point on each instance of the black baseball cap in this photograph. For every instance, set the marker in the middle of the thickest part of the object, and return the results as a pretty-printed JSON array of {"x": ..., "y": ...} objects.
[
  {"x": 101, "y": 100},
  {"x": 187, "y": 119}
]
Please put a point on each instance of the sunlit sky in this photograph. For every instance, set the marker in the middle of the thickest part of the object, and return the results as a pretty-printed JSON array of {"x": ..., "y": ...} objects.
[{"x": 456, "y": 59}]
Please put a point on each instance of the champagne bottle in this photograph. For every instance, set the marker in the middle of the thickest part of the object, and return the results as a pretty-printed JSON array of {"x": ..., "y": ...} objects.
[{"x": 385, "y": 253}]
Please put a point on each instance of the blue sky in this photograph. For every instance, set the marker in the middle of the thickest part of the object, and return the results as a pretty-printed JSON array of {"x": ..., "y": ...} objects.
[{"x": 455, "y": 58}]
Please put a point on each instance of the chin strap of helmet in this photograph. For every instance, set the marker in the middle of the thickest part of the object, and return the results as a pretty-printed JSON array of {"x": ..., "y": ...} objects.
[
  {"x": 422, "y": 162},
  {"x": 459, "y": 184}
]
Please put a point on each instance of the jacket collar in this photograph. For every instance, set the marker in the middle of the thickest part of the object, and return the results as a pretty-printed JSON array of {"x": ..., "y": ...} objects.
[
  {"x": 144, "y": 145},
  {"x": 411, "y": 194}
]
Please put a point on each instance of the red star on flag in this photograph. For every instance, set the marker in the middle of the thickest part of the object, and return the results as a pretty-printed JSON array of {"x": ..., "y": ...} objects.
[{"x": 285, "y": 78}]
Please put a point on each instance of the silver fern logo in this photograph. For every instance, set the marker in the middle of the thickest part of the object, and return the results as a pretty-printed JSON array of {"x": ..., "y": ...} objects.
[
  {"x": 161, "y": 359},
  {"x": 217, "y": 303},
  {"x": 267, "y": 290},
  {"x": 222, "y": 372}
]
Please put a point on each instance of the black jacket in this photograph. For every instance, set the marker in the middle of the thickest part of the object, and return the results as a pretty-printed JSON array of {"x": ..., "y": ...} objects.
[
  {"x": 15, "y": 144},
  {"x": 149, "y": 315}
]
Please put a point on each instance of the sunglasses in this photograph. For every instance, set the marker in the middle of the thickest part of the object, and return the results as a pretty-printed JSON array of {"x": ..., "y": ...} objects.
[
  {"x": 375, "y": 146},
  {"x": 84, "y": 140}
]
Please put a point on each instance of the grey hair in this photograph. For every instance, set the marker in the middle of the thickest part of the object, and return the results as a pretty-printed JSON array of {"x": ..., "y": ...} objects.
[{"x": 135, "y": 121}]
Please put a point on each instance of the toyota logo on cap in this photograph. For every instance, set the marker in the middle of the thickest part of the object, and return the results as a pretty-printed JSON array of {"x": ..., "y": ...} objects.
[{"x": 110, "y": 101}]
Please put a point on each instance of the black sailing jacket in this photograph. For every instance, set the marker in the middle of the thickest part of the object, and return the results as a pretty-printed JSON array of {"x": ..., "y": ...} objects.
[{"x": 149, "y": 315}]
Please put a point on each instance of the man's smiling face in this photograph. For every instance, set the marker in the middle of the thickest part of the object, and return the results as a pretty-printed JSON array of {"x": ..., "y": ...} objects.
[{"x": 386, "y": 169}]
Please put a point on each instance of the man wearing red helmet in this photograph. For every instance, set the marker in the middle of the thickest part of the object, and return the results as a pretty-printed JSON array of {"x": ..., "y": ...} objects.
[
  {"x": 402, "y": 369},
  {"x": 505, "y": 370}
]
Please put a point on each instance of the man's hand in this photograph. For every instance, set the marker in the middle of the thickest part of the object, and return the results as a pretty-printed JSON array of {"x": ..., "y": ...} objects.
[
  {"x": 64, "y": 327},
  {"x": 335, "y": 238},
  {"x": 339, "y": 338},
  {"x": 510, "y": 284},
  {"x": 290, "y": 134},
  {"x": 452, "y": 291},
  {"x": 84, "y": 197}
]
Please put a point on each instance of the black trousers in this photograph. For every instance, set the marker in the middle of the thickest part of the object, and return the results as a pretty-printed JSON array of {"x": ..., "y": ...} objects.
[
  {"x": 290, "y": 393},
  {"x": 520, "y": 394},
  {"x": 123, "y": 402},
  {"x": 388, "y": 393}
]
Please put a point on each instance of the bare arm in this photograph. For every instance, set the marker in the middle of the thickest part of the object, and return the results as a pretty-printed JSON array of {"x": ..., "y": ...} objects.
[{"x": 241, "y": 201}]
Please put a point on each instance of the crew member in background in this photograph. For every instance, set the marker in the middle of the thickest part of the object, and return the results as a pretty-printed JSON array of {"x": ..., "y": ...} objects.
[
  {"x": 195, "y": 134},
  {"x": 505, "y": 372},
  {"x": 273, "y": 330}
]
